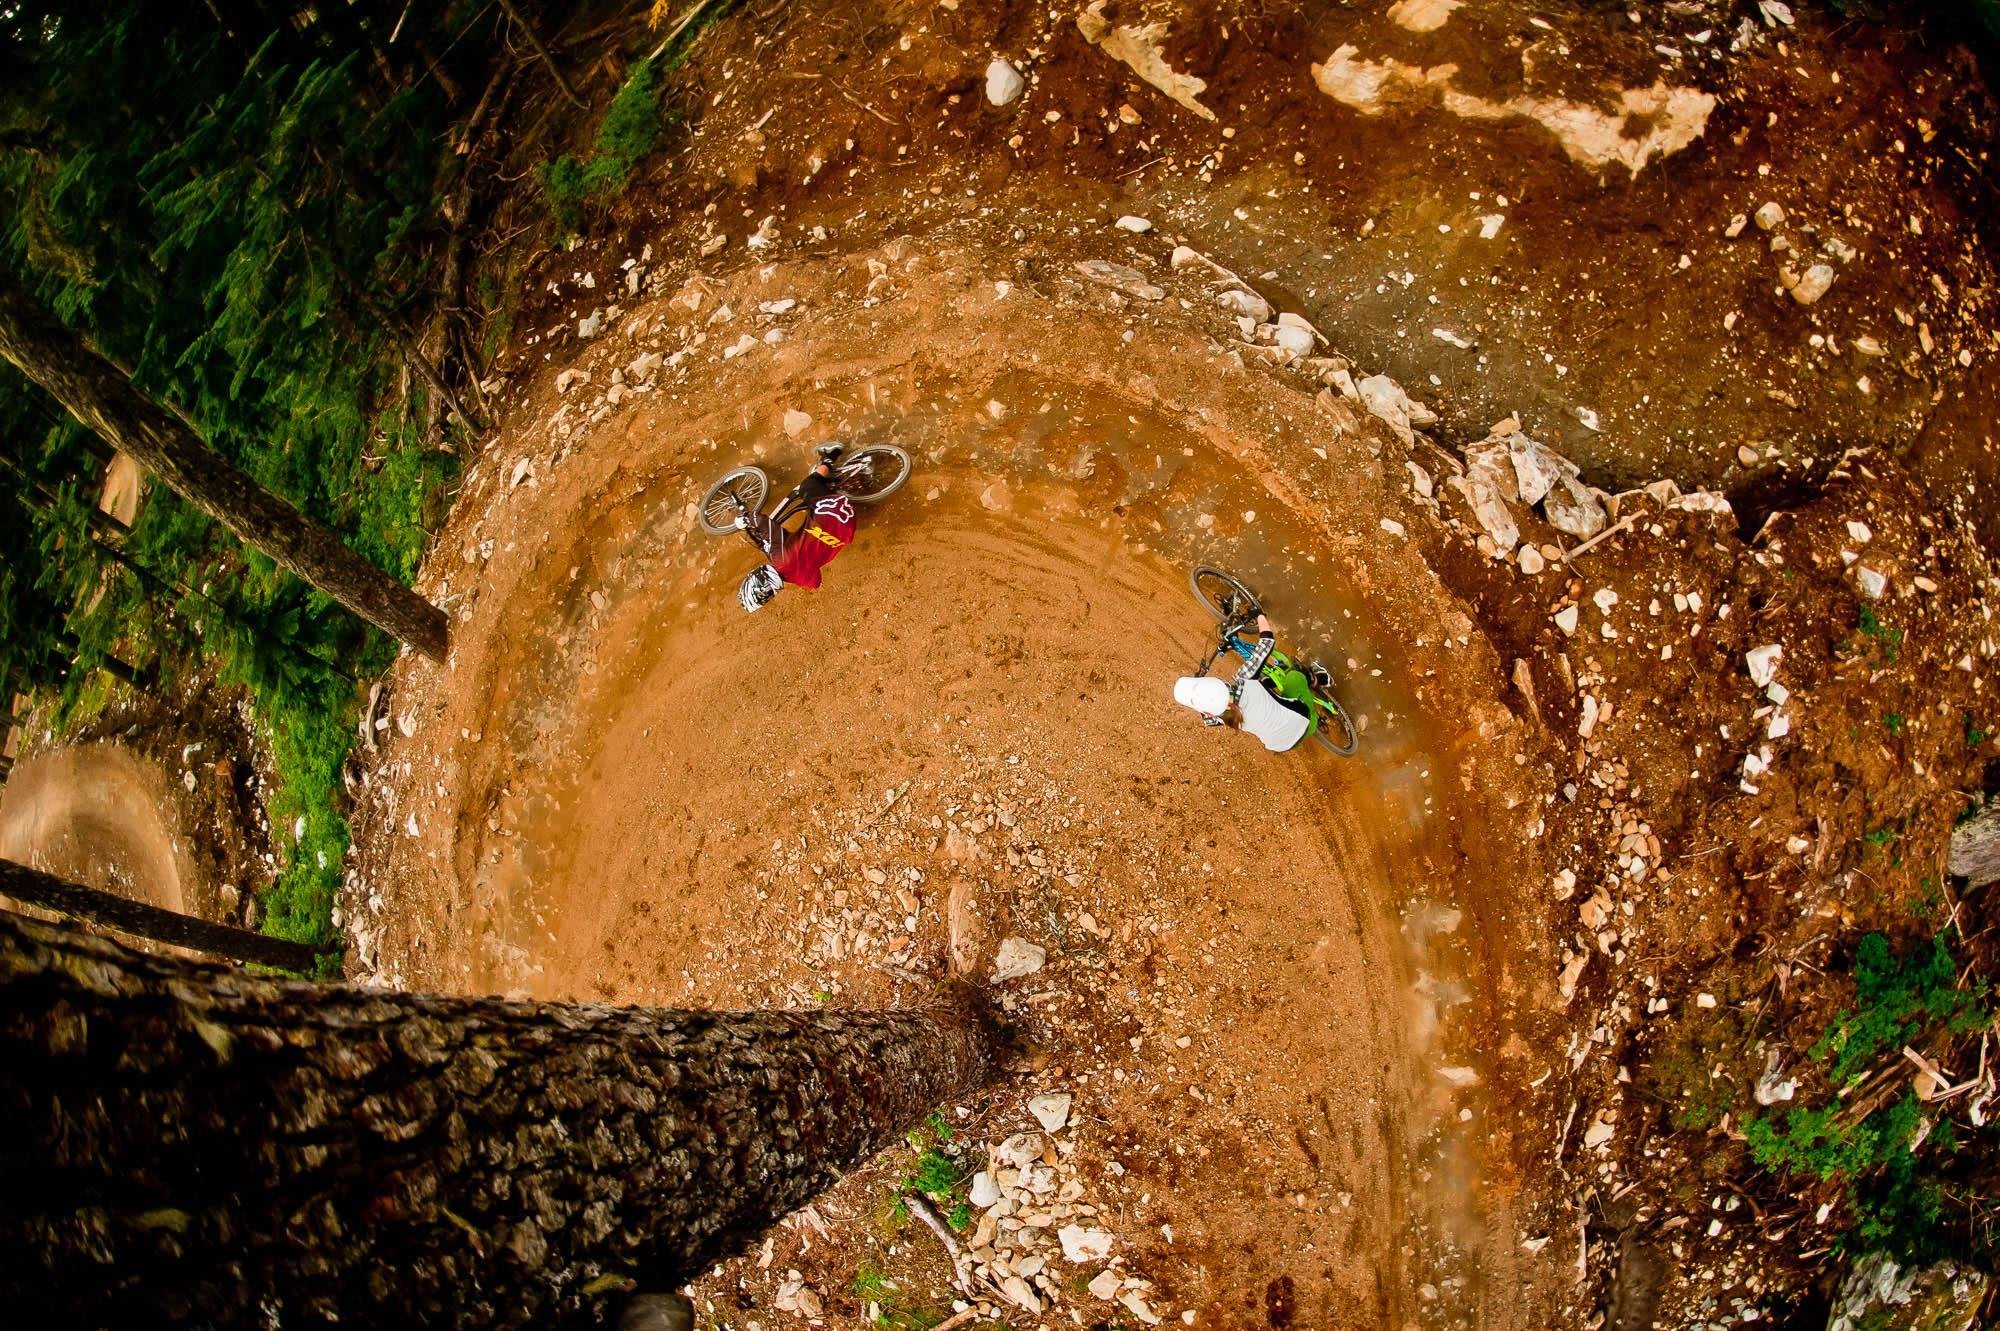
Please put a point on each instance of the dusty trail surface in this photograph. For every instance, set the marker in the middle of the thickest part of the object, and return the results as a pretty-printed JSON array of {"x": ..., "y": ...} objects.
[{"x": 102, "y": 816}]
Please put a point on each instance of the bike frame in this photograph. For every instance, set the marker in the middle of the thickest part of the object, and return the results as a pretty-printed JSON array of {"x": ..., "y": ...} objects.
[{"x": 1230, "y": 640}]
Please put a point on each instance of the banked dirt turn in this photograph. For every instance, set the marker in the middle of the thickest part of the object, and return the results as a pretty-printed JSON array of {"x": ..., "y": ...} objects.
[{"x": 1264, "y": 988}]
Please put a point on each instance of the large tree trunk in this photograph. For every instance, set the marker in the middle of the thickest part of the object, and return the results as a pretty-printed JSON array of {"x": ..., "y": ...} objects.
[
  {"x": 32, "y": 887},
  {"x": 104, "y": 399},
  {"x": 189, "y": 1146}
]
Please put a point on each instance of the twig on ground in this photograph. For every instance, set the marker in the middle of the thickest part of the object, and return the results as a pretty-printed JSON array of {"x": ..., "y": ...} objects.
[
  {"x": 1621, "y": 525},
  {"x": 920, "y": 1207}
]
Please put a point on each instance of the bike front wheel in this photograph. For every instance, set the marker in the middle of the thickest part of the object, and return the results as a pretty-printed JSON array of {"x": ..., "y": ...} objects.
[
  {"x": 740, "y": 491},
  {"x": 1223, "y": 594},
  {"x": 1335, "y": 730},
  {"x": 870, "y": 475}
]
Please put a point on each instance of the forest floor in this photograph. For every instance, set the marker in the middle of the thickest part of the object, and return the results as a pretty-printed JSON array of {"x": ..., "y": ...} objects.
[{"x": 1461, "y": 1031}]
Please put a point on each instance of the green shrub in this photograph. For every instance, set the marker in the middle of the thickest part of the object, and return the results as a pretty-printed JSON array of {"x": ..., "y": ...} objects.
[
  {"x": 630, "y": 128},
  {"x": 1895, "y": 1172}
]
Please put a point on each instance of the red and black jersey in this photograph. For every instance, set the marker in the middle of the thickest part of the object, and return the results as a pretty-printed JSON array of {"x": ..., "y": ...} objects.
[{"x": 798, "y": 556}]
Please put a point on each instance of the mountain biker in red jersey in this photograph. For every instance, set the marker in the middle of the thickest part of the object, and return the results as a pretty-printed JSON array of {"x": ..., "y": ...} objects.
[{"x": 797, "y": 557}]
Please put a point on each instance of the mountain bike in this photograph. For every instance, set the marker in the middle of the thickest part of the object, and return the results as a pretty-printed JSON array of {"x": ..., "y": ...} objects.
[
  {"x": 1236, "y": 608},
  {"x": 866, "y": 475}
]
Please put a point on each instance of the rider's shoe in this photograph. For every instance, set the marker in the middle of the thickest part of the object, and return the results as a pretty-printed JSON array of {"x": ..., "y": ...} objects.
[
  {"x": 1320, "y": 676},
  {"x": 828, "y": 453}
]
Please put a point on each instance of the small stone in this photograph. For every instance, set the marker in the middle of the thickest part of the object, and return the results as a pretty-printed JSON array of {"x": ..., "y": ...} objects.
[
  {"x": 1816, "y": 282},
  {"x": 984, "y": 1192},
  {"x": 1296, "y": 342},
  {"x": 1530, "y": 560},
  {"x": 1420, "y": 480},
  {"x": 1121, "y": 277},
  {"x": 1459, "y": 1076},
  {"x": 1747, "y": 455},
  {"x": 1566, "y": 619},
  {"x": 643, "y": 367},
  {"x": 1051, "y": 1110},
  {"x": 1019, "y": 1151},
  {"x": 1082, "y": 1245},
  {"x": 1762, "y": 663},
  {"x": 1138, "y": 226},
  {"x": 995, "y": 498},
  {"x": 569, "y": 379},
  {"x": 1105, "y": 1285},
  {"x": 1017, "y": 957},
  {"x": 1736, "y": 225},
  {"x": 1004, "y": 83},
  {"x": 1704, "y": 1000},
  {"x": 590, "y": 325},
  {"x": 1598, "y": 1133},
  {"x": 1871, "y": 582},
  {"x": 797, "y": 423},
  {"x": 1770, "y": 216},
  {"x": 1393, "y": 527},
  {"x": 1245, "y": 304}
]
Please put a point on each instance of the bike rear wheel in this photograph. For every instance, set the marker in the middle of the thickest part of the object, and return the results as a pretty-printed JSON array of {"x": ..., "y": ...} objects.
[
  {"x": 1223, "y": 594},
  {"x": 1335, "y": 729},
  {"x": 738, "y": 492},
  {"x": 870, "y": 475}
]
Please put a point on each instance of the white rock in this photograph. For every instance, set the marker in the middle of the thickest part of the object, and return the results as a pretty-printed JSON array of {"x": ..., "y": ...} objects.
[
  {"x": 1386, "y": 401},
  {"x": 1051, "y": 1110},
  {"x": 1872, "y": 583},
  {"x": 1598, "y": 1133},
  {"x": 1816, "y": 282},
  {"x": 1566, "y": 619},
  {"x": 569, "y": 379},
  {"x": 1770, "y": 216},
  {"x": 1736, "y": 225},
  {"x": 1489, "y": 507},
  {"x": 1017, "y": 957},
  {"x": 590, "y": 325},
  {"x": 1021, "y": 1293},
  {"x": 1573, "y": 509},
  {"x": 1121, "y": 277},
  {"x": 1860, "y": 531},
  {"x": 1490, "y": 224},
  {"x": 1296, "y": 342},
  {"x": 1420, "y": 480},
  {"x": 1587, "y": 721},
  {"x": 984, "y": 1192},
  {"x": 1082, "y": 1245},
  {"x": 1138, "y": 1307},
  {"x": 1530, "y": 560},
  {"x": 1604, "y": 598},
  {"x": 1245, "y": 304},
  {"x": 1393, "y": 527},
  {"x": 1019, "y": 1151},
  {"x": 644, "y": 366},
  {"x": 1459, "y": 1076},
  {"x": 1105, "y": 1285},
  {"x": 1763, "y": 663},
  {"x": 797, "y": 423},
  {"x": 1004, "y": 83},
  {"x": 1538, "y": 468},
  {"x": 1138, "y": 226}
]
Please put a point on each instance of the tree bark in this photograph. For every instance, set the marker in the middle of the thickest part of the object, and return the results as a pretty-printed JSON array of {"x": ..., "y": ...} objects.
[
  {"x": 190, "y": 1146},
  {"x": 98, "y": 395},
  {"x": 1975, "y": 847},
  {"x": 32, "y": 887},
  {"x": 534, "y": 38}
]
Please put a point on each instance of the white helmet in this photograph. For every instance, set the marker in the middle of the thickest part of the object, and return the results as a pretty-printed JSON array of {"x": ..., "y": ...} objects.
[
  {"x": 759, "y": 587},
  {"x": 1205, "y": 693}
]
